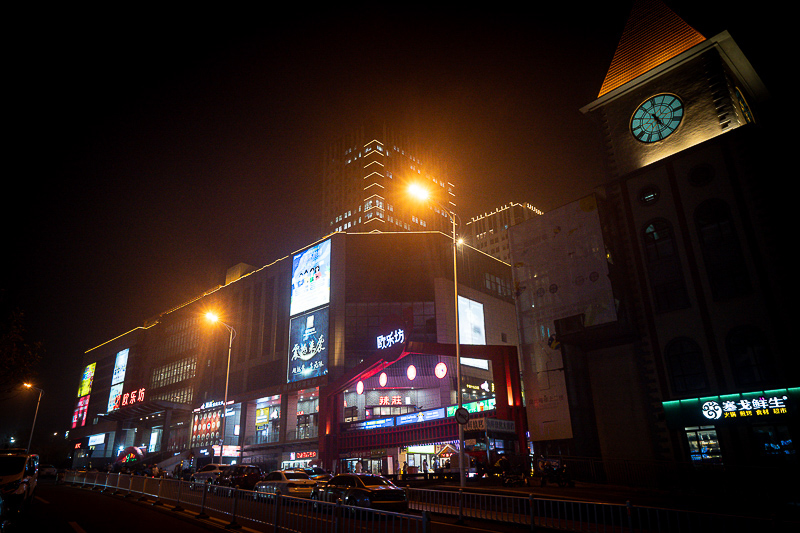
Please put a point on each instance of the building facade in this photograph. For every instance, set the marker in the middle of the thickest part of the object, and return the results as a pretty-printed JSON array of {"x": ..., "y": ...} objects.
[
  {"x": 340, "y": 354},
  {"x": 653, "y": 318},
  {"x": 489, "y": 232},
  {"x": 365, "y": 178}
]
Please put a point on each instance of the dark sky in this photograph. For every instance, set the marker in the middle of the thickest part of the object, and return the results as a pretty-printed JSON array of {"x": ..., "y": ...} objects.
[{"x": 150, "y": 150}]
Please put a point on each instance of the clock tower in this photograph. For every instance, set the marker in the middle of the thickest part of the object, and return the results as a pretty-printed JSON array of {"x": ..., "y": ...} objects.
[{"x": 670, "y": 88}]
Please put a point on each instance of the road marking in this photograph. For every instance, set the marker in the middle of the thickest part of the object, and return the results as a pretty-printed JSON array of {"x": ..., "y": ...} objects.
[
  {"x": 76, "y": 527},
  {"x": 41, "y": 499}
]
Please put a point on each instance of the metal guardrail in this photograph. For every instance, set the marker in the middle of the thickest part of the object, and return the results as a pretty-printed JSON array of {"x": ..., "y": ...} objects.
[
  {"x": 274, "y": 513},
  {"x": 286, "y": 514},
  {"x": 591, "y": 517}
]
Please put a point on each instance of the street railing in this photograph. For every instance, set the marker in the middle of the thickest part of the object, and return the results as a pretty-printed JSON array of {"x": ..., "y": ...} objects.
[
  {"x": 569, "y": 515},
  {"x": 265, "y": 512}
]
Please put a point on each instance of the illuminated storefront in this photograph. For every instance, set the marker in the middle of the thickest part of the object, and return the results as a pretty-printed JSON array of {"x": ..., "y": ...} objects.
[{"x": 763, "y": 420}]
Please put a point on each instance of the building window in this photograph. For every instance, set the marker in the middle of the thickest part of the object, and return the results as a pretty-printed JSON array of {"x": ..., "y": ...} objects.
[
  {"x": 685, "y": 364},
  {"x": 703, "y": 445},
  {"x": 722, "y": 253},
  {"x": 664, "y": 267},
  {"x": 701, "y": 175},
  {"x": 749, "y": 356},
  {"x": 649, "y": 195},
  {"x": 775, "y": 442}
]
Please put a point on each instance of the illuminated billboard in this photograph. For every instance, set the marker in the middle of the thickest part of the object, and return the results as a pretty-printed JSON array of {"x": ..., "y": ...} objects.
[
  {"x": 471, "y": 329},
  {"x": 308, "y": 346},
  {"x": 86, "y": 380},
  {"x": 120, "y": 364},
  {"x": 114, "y": 397},
  {"x": 311, "y": 278},
  {"x": 79, "y": 414}
]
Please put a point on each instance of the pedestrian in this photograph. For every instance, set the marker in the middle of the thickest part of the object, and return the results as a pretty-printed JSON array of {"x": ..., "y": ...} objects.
[{"x": 359, "y": 467}]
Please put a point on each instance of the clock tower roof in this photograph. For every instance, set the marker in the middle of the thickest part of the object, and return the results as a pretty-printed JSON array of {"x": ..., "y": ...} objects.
[{"x": 653, "y": 35}]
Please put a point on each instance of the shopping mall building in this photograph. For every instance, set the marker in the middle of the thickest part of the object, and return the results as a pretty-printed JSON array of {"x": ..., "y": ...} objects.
[{"x": 341, "y": 353}]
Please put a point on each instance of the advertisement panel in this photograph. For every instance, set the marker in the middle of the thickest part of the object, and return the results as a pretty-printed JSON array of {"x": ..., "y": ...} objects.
[
  {"x": 308, "y": 346},
  {"x": 114, "y": 397},
  {"x": 311, "y": 278},
  {"x": 120, "y": 364},
  {"x": 86, "y": 380},
  {"x": 79, "y": 414}
]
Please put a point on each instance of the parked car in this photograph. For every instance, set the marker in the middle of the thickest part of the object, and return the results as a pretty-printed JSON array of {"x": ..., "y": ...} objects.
[
  {"x": 289, "y": 482},
  {"x": 47, "y": 471},
  {"x": 19, "y": 473},
  {"x": 362, "y": 490},
  {"x": 241, "y": 476},
  {"x": 316, "y": 473},
  {"x": 208, "y": 474}
]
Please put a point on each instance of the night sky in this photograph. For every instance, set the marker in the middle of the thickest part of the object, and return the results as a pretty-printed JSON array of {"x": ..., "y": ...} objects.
[{"x": 150, "y": 151}]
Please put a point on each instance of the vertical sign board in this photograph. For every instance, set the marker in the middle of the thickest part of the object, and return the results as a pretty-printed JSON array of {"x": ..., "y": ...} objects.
[
  {"x": 560, "y": 271},
  {"x": 84, "y": 390},
  {"x": 308, "y": 345},
  {"x": 308, "y": 325},
  {"x": 117, "y": 380},
  {"x": 311, "y": 278}
]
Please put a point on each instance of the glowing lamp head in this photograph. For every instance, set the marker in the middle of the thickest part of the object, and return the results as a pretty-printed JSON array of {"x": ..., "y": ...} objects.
[
  {"x": 411, "y": 373},
  {"x": 383, "y": 379},
  {"x": 418, "y": 191},
  {"x": 440, "y": 370},
  {"x": 360, "y": 387}
]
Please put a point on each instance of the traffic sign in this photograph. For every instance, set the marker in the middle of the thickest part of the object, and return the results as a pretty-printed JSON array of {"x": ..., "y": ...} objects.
[{"x": 462, "y": 416}]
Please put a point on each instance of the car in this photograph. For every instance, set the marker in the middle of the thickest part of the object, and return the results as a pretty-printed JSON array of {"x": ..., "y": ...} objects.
[
  {"x": 19, "y": 474},
  {"x": 362, "y": 490},
  {"x": 47, "y": 471},
  {"x": 288, "y": 482},
  {"x": 240, "y": 476},
  {"x": 316, "y": 473},
  {"x": 208, "y": 474}
]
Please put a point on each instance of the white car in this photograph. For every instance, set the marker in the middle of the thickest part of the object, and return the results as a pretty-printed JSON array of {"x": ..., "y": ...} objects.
[
  {"x": 208, "y": 474},
  {"x": 288, "y": 483}
]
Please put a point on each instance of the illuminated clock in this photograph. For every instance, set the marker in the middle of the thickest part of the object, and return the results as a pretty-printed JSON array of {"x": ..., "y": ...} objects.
[{"x": 656, "y": 118}]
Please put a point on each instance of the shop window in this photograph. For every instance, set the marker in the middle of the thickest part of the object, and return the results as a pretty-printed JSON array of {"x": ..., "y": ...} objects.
[
  {"x": 749, "y": 355},
  {"x": 703, "y": 445},
  {"x": 722, "y": 253},
  {"x": 774, "y": 442},
  {"x": 685, "y": 364},
  {"x": 664, "y": 267}
]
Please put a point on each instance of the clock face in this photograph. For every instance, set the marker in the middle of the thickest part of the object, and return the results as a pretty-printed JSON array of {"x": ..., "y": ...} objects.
[{"x": 657, "y": 118}]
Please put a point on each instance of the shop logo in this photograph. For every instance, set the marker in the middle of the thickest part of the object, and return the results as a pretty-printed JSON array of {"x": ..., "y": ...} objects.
[{"x": 712, "y": 410}]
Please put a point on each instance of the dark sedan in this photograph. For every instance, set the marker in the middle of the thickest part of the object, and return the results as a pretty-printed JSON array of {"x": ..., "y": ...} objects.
[
  {"x": 363, "y": 490},
  {"x": 241, "y": 476}
]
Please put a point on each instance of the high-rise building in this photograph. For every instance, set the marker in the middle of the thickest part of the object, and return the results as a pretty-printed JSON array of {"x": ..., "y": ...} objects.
[
  {"x": 489, "y": 232},
  {"x": 653, "y": 317},
  {"x": 365, "y": 179}
]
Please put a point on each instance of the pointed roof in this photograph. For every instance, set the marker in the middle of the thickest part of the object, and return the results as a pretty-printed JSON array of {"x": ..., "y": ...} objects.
[{"x": 653, "y": 35}]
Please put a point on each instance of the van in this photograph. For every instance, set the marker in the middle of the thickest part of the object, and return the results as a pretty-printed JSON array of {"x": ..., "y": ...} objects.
[{"x": 19, "y": 473}]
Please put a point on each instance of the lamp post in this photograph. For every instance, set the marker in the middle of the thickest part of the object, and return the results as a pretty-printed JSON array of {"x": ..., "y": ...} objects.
[
  {"x": 35, "y": 414},
  {"x": 422, "y": 194},
  {"x": 214, "y": 318}
]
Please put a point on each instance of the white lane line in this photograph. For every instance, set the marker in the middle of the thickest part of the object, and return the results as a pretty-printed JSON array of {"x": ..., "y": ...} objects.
[{"x": 75, "y": 527}]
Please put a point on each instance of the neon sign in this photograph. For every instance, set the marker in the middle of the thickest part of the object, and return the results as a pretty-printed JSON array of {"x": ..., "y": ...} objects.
[
  {"x": 732, "y": 408},
  {"x": 384, "y": 342}
]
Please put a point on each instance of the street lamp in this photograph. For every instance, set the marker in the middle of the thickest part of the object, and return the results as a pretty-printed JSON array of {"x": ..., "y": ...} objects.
[
  {"x": 35, "y": 414},
  {"x": 214, "y": 318},
  {"x": 422, "y": 194}
]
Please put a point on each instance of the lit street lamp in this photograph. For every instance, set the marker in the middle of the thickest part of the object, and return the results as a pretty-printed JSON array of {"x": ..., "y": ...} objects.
[
  {"x": 35, "y": 414},
  {"x": 422, "y": 194},
  {"x": 214, "y": 318}
]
